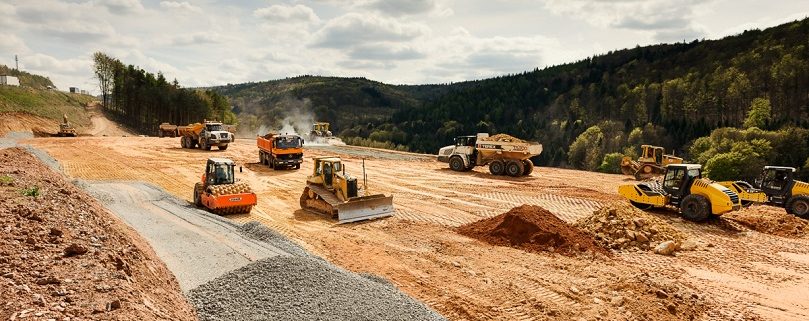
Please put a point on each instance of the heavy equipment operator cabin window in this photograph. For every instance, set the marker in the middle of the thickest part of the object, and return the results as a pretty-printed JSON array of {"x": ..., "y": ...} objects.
[{"x": 223, "y": 174}]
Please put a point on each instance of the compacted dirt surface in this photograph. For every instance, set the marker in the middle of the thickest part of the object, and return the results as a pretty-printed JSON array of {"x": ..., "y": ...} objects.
[
  {"x": 729, "y": 272},
  {"x": 63, "y": 256}
]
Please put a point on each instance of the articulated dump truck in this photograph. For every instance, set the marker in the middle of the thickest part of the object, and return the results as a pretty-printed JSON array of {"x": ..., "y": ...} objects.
[
  {"x": 204, "y": 135},
  {"x": 505, "y": 155}
]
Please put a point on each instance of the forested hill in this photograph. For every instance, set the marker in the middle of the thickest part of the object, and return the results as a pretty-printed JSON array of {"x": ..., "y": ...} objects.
[{"x": 668, "y": 94}]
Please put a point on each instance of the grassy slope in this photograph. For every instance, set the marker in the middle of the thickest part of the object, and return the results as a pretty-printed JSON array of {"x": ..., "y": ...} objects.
[{"x": 46, "y": 103}]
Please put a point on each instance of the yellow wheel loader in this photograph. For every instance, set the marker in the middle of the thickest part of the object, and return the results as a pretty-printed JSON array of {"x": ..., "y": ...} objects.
[
  {"x": 332, "y": 192},
  {"x": 775, "y": 186},
  {"x": 683, "y": 188},
  {"x": 651, "y": 163}
]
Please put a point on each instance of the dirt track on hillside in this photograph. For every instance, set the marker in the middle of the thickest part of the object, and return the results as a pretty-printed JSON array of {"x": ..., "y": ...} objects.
[{"x": 734, "y": 274}]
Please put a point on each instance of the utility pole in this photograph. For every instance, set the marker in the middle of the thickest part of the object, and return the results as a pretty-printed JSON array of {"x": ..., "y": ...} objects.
[{"x": 16, "y": 63}]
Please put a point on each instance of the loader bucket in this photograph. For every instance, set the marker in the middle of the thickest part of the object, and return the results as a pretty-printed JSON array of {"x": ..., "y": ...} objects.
[{"x": 365, "y": 208}]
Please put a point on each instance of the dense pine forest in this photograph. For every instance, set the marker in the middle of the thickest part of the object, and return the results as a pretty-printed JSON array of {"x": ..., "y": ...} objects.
[{"x": 142, "y": 100}]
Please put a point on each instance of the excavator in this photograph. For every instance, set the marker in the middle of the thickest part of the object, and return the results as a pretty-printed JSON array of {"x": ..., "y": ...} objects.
[
  {"x": 65, "y": 128},
  {"x": 651, "y": 163},
  {"x": 330, "y": 191},
  {"x": 220, "y": 192},
  {"x": 775, "y": 186},
  {"x": 684, "y": 188}
]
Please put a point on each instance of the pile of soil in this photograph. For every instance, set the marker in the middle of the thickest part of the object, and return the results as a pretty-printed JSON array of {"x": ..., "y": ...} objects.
[
  {"x": 769, "y": 220},
  {"x": 533, "y": 229},
  {"x": 619, "y": 226},
  {"x": 502, "y": 138},
  {"x": 63, "y": 256}
]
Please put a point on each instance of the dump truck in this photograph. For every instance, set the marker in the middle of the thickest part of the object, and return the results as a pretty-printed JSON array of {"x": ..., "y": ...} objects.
[
  {"x": 166, "y": 130},
  {"x": 280, "y": 151},
  {"x": 651, "y": 163},
  {"x": 330, "y": 191},
  {"x": 505, "y": 155},
  {"x": 65, "y": 128},
  {"x": 776, "y": 186},
  {"x": 220, "y": 192},
  {"x": 204, "y": 135},
  {"x": 683, "y": 188}
]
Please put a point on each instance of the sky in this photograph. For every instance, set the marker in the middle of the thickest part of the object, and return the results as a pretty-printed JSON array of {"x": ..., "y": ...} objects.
[{"x": 213, "y": 42}]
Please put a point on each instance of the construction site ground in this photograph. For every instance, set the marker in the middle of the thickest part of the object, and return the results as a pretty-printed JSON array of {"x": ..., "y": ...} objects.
[{"x": 735, "y": 272}]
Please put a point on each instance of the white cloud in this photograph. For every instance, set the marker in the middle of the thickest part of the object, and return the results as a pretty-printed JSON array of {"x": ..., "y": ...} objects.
[
  {"x": 12, "y": 44},
  {"x": 287, "y": 14},
  {"x": 183, "y": 6},
  {"x": 199, "y": 38},
  {"x": 355, "y": 29},
  {"x": 665, "y": 19},
  {"x": 121, "y": 7}
]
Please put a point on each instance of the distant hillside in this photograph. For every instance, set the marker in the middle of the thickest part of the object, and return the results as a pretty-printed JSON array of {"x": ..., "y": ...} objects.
[
  {"x": 31, "y": 97},
  {"x": 668, "y": 94},
  {"x": 27, "y": 79}
]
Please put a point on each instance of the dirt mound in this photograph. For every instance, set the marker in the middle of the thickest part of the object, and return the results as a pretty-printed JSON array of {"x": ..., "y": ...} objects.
[
  {"x": 62, "y": 256},
  {"x": 770, "y": 220},
  {"x": 502, "y": 138},
  {"x": 623, "y": 227},
  {"x": 534, "y": 229},
  {"x": 25, "y": 122}
]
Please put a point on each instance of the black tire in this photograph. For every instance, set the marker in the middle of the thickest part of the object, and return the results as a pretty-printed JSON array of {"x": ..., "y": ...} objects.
[
  {"x": 515, "y": 168},
  {"x": 456, "y": 164},
  {"x": 223, "y": 147},
  {"x": 695, "y": 208},
  {"x": 197, "y": 196},
  {"x": 746, "y": 203},
  {"x": 528, "y": 167},
  {"x": 297, "y": 166},
  {"x": 799, "y": 206},
  {"x": 271, "y": 161},
  {"x": 641, "y": 206},
  {"x": 183, "y": 142},
  {"x": 497, "y": 167}
]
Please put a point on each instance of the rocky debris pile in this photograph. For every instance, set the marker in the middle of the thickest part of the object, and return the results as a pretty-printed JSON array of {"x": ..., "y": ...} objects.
[
  {"x": 622, "y": 227},
  {"x": 769, "y": 220},
  {"x": 303, "y": 288},
  {"x": 502, "y": 138},
  {"x": 534, "y": 229},
  {"x": 258, "y": 231},
  {"x": 62, "y": 256}
]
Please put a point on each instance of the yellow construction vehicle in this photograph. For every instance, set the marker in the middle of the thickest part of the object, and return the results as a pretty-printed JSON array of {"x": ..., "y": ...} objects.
[
  {"x": 66, "y": 129},
  {"x": 652, "y": 162},
  {"x": 332, "y": 192},
  {"x": 775, "y": 186},
  {"x": 684, "y": 188}
]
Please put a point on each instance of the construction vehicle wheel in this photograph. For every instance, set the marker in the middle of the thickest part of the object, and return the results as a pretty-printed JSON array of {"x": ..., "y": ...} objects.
[
  {"x": 497, "y": 167},
  {"x": 746, "y": 203},
  {"x": 456, "y": 164},
  {"x": 515, "y": 168},
  {"x": 182, "y": 142},
  {"x": 529, "y": 167},
  {"x": 641, "y": 206},
  {"x": 223, "y": 147},
  {"x": 799, "y": 206},
  {"x": 198, "y": 194},
  {"x": 695, "y": 208},
  {"x": 297, "y": 166}
]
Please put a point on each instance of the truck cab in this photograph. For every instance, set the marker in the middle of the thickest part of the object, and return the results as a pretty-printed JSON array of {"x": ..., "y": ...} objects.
[
  {"x": 214, "y": 134},
  {"x": 464, "y": 148},
  {"x": 280, "y": 151}
]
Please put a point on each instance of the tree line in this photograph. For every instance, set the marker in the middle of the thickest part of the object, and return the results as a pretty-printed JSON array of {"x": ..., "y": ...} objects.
[{"x": 142, "y": 100}]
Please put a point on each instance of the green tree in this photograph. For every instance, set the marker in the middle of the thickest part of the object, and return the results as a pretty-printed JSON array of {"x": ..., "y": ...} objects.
[
  {"x": 611, "y": 163},
  {"x": 760, "y": 113},
  {"x": 586, "y": 150}
]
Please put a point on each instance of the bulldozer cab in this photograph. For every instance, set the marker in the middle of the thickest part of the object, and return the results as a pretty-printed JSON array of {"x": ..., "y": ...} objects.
[
  {"x": 651, "y": 154},
  {"x": 678, "y": 180},
  {"x": 320, "y": 127},
  {"x": 325, "y": 169},
  {"x": 219, "y": 171},
  {"x": 776, "y": 180}
]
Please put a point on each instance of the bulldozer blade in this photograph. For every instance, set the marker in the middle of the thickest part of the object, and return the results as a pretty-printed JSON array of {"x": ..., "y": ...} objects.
[{"x": 365, "y": 208}]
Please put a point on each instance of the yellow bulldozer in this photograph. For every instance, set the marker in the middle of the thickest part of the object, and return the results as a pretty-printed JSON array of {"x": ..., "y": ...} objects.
[
  {"x": 775, "y": 186},
  {"x": 651, "y": 163},
  {"x": 330, "y": 191},
  {"x": 683, "y": 188}
]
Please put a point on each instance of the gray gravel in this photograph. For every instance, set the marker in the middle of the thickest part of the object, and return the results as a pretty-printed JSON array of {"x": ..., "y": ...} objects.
[
  {"x": 303, "y": 288},
  {"x": 258, "y": 231}
]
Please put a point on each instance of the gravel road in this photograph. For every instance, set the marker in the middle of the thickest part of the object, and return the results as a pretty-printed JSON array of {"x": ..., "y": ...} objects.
[{"x": 196, "y": 246}]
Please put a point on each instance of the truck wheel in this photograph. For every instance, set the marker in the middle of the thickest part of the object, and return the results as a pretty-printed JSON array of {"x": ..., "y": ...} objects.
[
  {"x": 799, "y": 206},
  {"x": 528, "y": 167},
  {"x": 223, "y": 147},
  {"x": 197, "y": 194},
  {"x": 297, "y": 166},
  {"x": 514, "y": 168},
  {"x": 695, "y": 208},
  {"x": 456, "y": 164},
  {"x": 497, "y": 167}
]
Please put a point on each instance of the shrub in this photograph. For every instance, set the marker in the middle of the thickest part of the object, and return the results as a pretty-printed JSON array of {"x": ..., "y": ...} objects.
[
  {"x": 32, "y": 191},
  {"x": 611, "y": 163}
]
